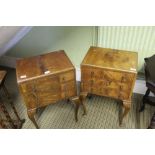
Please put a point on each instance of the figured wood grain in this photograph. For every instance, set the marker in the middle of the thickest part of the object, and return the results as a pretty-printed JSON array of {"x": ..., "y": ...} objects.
[
  {"x": 109, "y": 72},
  {"x": 54, "y": 62},
  {"x": 111, "y": 59},
  {"x": 45, "y": 79}
]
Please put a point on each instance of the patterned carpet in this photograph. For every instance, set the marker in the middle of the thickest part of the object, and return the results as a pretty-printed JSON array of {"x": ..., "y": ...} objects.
[{"x": 102, "y": 112}]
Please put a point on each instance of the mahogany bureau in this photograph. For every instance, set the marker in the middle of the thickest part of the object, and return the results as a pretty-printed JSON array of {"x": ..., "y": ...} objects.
[
  {"x": 111, "y": 73},
  {"x": 45, "y": 79}
]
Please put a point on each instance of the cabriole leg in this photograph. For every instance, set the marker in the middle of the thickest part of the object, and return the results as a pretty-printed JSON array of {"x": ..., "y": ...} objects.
[
  {"x": 76, "y": 102},
  {"x": 83, "y": 96},
  {"x": 126, "y": 107},
  {"x": 31, "y": 114}
]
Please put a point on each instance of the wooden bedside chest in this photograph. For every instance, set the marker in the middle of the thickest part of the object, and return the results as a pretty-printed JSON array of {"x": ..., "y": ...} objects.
[
  {"x": 111, "y": 73},
  {"x": 45, "y": 79}
]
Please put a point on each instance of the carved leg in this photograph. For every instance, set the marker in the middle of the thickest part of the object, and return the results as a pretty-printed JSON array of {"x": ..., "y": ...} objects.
[
  {"x": 76, "y": 102},
  {"x": 76, "y": 111},
  {"x": 83, "y": 96},
  {"x": 79, "y": 100},
  {"x": 31, "y": 114},
  {"x": 126, "y": 106},
  {"x": 84, "y": 109},
  {"x": 144, "y": 100}
]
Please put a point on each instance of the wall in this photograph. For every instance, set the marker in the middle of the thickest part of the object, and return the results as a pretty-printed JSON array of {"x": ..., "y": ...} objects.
[
  {"x": 10, "y": 35},
  {"x": 74, "y": 40},
  {"x": 134, "y": 38}
]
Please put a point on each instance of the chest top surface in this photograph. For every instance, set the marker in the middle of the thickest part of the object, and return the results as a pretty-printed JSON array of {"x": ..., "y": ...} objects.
[
  {"x": 42, "y": 65},
  {"x": 111, "y": 59}
]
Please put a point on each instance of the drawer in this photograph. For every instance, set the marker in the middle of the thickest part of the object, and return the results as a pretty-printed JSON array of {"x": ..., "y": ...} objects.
[
  {"x": 113, "y": 90},
  {"x": 125, "y": 87},
  {"x": 68, "y": 89},
  {"x": 47, "y": 79},
  {"x": 123, "y": 95},
  {"x": 51, "y": 89},
  {"x": 39, "y": 99},
  {"x": 110, "y": 92},
  {"x": 27, "y": 87},
  {"x": 69, "y": 93},
  {"x": 45, "y": 98},
  {"x": 66, "y": 76},
  {"x": 30, "y": 100},
  {"x": 101, "y": 84},
  {"x": 50, "y": 83},
  {"x": 128, "y": 78},
  {"x": 68, "y": 85},
  {"x": 88, "y": 73}
]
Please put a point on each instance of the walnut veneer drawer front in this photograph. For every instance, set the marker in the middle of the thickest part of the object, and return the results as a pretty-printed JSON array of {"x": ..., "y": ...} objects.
[
  {"x": 89, "y": 73},
  {"x": 30, "y": 100},
  {"x": 107, "y": 83},
  {"x": 109, "y": 72},
  {"x": 45, "y": 79},
  {"x": 66, "y": 76},
  {"x": 68, "y": 89},
  {"x": 49, "y": 89},
  {"x": 107, "y": 89},
  {"x": 49, "y": 83}
]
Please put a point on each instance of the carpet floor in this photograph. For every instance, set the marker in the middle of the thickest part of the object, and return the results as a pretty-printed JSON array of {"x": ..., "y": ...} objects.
[{"x": 102, "y": 112}]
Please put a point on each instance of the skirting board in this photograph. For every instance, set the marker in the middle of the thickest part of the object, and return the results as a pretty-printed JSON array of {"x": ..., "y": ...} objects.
[{"x": 7, "y": 61}]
